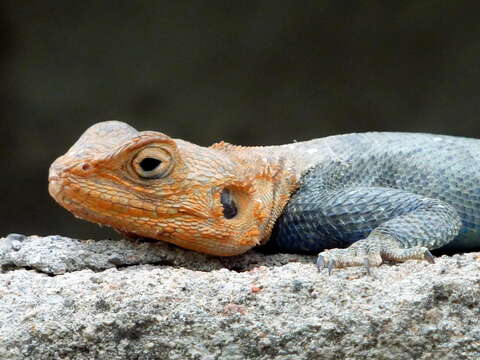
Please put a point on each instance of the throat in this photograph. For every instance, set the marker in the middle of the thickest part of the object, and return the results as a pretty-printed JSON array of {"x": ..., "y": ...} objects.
[{"x": 273, "y": 190}]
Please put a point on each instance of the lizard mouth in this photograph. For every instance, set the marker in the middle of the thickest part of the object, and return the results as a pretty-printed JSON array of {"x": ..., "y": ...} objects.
[
  {"x": 97, "y": 200},
  {"x": 54, "y": 186}
]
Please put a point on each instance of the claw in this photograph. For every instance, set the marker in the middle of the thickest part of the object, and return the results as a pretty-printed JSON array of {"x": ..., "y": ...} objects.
[
  {"x": 320, "y": 263},
  {"x": 366, "y": 264},
  {"x": 429, "y": 257},
  {"x": 331, "y": 265}
]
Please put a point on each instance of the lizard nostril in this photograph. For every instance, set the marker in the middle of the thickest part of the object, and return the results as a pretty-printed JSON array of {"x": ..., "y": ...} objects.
[{"x": 86, "y": 167}]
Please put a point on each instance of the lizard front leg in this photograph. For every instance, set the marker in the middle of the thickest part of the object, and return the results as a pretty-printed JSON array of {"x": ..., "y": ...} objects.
[
  {"x": 408, "y": 236},
  {"x": 376, "y": 223}
]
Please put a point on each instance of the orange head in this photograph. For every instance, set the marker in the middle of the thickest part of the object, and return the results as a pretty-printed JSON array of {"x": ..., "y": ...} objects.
[{"x": 147, "y": 184}]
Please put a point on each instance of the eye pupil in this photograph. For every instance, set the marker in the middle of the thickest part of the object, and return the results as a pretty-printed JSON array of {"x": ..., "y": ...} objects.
[
  {"x": 149, "y": 164},
  {"x": 229, "y": 206}
]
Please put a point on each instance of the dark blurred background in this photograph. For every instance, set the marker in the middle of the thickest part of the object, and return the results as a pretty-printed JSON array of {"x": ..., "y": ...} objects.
[{"x": 262, "y": 72}]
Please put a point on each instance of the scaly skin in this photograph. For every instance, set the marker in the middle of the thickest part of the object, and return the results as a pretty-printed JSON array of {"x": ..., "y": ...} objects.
[{"x": 394, "y": 196}]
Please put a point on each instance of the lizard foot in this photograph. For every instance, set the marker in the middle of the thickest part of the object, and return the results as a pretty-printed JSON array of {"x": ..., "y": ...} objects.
[{"x": 369, "y": 253}]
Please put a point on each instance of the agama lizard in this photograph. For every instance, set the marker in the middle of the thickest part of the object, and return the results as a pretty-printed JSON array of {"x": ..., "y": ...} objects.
[{"x": 358, "y": 199}]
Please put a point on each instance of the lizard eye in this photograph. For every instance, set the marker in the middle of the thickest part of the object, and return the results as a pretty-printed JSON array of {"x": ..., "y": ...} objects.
[
  {"x": 229, "y": 206},
  {"x": 153, "y": 163},
  {"x": 149, "y": 164}
]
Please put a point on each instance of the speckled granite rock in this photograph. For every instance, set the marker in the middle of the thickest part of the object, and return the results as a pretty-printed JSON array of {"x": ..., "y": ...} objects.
[{"x": 68, "y": 299}]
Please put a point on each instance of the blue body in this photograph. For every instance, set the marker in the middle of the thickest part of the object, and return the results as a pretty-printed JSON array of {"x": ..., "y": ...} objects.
[{"x": 422, "y": 189}]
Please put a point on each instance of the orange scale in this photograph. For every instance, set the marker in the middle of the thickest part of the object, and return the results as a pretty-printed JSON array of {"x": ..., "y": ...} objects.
[{"x": 102, "y": 204}]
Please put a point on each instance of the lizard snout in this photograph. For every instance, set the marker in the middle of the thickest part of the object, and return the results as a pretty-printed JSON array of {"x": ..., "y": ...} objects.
[
  {"x": 54, "y": 187},
  {"x": 55, "y": 180},
  {"x": 60, "y": 174}
]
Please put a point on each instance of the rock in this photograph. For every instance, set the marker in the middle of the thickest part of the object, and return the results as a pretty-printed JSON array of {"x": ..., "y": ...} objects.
[{"x": 62, "y": 298}]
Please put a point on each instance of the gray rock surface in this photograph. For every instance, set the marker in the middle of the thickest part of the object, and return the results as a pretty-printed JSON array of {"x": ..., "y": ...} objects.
[{"x": 62, "y": 298}]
